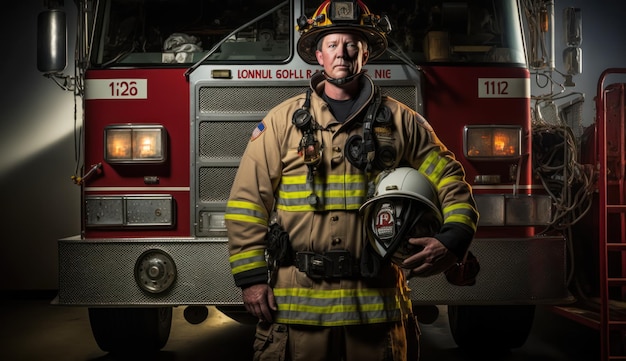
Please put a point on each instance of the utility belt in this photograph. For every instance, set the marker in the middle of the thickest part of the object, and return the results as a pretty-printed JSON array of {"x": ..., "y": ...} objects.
[
  {"x": 328, "y": 265},
  {"x": 333, "y": 264}
]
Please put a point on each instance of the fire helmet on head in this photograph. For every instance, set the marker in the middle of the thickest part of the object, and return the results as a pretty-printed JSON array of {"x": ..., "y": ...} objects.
[
  {"x": 337, "y": 16},
  {"x": 405, "y": 205}
]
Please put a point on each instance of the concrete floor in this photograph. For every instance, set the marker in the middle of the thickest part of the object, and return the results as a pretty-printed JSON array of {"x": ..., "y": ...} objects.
[{"x": 31, "y": 329}]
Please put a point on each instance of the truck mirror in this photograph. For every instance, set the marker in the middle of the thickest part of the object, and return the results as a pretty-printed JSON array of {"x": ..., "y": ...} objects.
[
  {"x": 573, "y": 26},
  {"x": 51, "y": 41},
  {"x": 573, "y": 60},
  {"x": 573, "y": 36}
]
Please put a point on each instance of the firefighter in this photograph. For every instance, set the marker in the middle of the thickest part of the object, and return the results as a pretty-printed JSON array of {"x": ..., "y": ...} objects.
[{"x": 297, "y": 242}]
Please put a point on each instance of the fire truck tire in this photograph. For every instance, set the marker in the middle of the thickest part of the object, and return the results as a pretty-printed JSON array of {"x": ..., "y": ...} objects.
[
  {"x": 130, "y": 330},
  {"x": 494, "y": 328}
]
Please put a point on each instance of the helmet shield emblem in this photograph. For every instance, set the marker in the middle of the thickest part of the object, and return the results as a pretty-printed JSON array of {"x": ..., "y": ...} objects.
[
  {"x": 385, "y": 225},
  {"x": 405, "y": 205}
]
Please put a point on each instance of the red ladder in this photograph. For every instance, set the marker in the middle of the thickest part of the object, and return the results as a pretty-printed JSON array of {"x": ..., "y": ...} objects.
[{"x": 611, "y": 128}]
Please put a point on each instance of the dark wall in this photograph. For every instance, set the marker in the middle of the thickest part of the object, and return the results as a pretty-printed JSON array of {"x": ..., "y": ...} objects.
[{"x": 39, "y": 201}]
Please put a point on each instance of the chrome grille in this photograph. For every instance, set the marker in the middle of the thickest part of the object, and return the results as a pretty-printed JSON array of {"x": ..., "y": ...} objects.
[
  {"x": 221, "y": 139},
  {"x": 244, "y": 100},
  {"x": 215, "y": 183},
  {"x": 403, "y": 94}
]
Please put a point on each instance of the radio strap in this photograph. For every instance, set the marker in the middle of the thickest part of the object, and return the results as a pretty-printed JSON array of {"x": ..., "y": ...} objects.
[{"x": 361, "y": 150}]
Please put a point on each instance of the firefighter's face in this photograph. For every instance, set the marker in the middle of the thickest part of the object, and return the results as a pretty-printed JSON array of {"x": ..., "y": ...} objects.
[{"x": 341, "y": 54}]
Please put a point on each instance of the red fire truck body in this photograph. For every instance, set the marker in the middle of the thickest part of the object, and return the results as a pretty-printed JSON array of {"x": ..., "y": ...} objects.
[
  {"x": 166, "y": 103},
  {"x": 164, "y": 129}
]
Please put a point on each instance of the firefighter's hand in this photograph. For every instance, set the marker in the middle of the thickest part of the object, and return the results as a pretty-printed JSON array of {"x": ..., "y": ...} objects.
[
  {"x": 259, "y": 301},
  {"x": 433, "y": 259}
]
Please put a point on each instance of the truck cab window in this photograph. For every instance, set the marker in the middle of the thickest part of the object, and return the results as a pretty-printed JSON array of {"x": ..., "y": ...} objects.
[
  {"x": 183, "y": 31},
  {"x": 470, "y": 31}
]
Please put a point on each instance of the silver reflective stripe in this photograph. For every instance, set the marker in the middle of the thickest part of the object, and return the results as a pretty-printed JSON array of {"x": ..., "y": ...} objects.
[
  {"x": 245, "y": 212},
  {"x": 338, "y": 307},
  {"x": 246, "y": 261},
  {"x": 338, "y": 193}
]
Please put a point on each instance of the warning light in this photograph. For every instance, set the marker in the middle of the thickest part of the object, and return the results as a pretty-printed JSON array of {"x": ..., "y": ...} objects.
[
  {"x": 492, "y": 142},
  {"x": 135, "y": 143}
]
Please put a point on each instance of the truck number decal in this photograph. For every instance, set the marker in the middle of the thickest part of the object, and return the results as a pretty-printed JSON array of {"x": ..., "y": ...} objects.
[
  {"x": 123, "y": 88},
  {"x": 116, "y": 89},
  {"x": 503, "y": 88}
]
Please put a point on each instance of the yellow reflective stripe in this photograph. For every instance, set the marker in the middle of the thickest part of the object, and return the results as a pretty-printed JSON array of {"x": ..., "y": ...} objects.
[
  {"x": 460, "y": 218},
  {"x": 448, "y": 180},
  {"x": 336, "y": 323},
  {"x": 456, "y": 207},
  {"x": 248, "y": 266},
  {"x": 331, "y": 178},
  {"x": 245, "y": 212},
  {"x": 338, "y": 307},
  {"x": 433, "y": 167},
  {"x": 309, "y": 208},
  {"x": 327, "y": 194},
  {"x": 435, "y": 176},
  {"x": 430, "y": 159},
  {"x": 245, "y": 205},
  {"x": 243, "y": 218},
  {"x": 329, "y": 294},
  {"x": 333, "y": 308},
  {"x": 335, "y": 192},
  {"x": 344, "y": 308},
  {"x": 346, "y": 178},
  {"x": 247, "y": 254},
  {"x": 460, "y": 213},
  {"x": 298, "y": 208},
  {"x": 294, "y": 179},
  {"x": 334, "y": 207},
  {"x": 293, "y": 195},
  {"x": 248, "y": 260}
]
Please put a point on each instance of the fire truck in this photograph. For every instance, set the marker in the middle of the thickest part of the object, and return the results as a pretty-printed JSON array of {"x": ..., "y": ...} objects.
[{"x": 169, "y": 92}]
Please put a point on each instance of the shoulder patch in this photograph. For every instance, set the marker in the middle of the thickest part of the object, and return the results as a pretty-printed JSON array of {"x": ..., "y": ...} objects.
[
  {"x": 424, "y": 123},
  {"x": 260, "y": 128}
]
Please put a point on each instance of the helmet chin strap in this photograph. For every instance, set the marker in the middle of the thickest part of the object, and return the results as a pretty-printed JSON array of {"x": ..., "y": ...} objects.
[{"x": 342, "y": 81}]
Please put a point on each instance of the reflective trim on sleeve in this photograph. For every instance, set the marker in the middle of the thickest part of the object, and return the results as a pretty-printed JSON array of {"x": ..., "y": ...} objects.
[
  {"x": 246, "y": 212},
  {"x": 245, "y": 261},
  {"x": 433, "y": 167},
  {"x": 461, "y": 213},
  {"x": 447, "y": 180}
]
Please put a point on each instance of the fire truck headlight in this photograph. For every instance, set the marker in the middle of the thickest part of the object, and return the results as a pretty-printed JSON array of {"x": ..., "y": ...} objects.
[
  {"x": 132, "y": 143},
  {"x": 489, "y": 142}
]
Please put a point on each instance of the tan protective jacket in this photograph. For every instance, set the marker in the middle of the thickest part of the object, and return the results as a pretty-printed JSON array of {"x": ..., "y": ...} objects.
[{"x": 272, "y": 177}]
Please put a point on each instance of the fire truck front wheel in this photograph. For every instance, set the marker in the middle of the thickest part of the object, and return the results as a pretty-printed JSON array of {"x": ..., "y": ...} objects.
[
  {"x": 130, "y": 330},
  {"x": 490, "y": 328}
]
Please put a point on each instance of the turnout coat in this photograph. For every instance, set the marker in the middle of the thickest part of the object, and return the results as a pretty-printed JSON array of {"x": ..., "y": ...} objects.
[{"x": 273, "y": 181}]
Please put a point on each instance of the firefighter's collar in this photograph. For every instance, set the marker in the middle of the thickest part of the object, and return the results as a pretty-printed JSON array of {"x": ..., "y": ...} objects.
[{"x": 365, "y": 94}]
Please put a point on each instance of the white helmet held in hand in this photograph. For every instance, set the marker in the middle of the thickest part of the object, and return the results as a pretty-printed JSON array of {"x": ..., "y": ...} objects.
[{"x": 405, "y": 205}]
